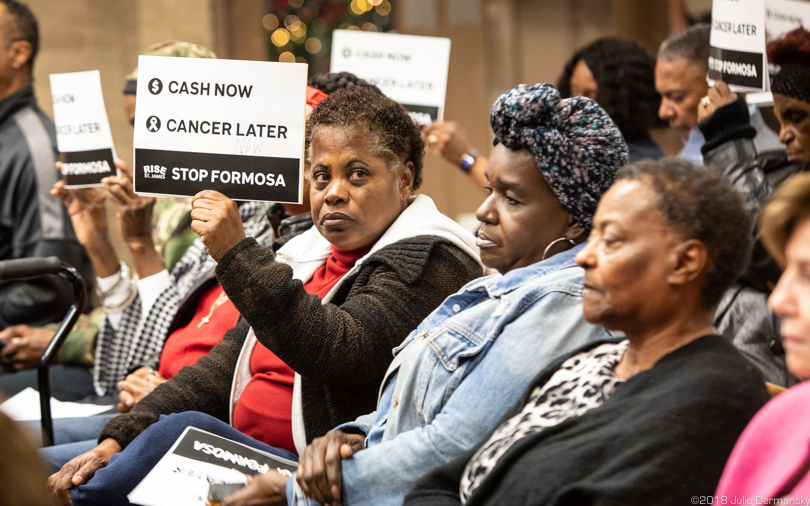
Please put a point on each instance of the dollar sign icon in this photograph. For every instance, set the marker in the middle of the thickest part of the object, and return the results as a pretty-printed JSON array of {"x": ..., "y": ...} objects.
[{"x": 155, "y": 86}]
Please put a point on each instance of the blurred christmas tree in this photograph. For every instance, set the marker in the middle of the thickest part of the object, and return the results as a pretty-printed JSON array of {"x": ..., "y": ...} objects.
[{"x": 301, "y": 30}]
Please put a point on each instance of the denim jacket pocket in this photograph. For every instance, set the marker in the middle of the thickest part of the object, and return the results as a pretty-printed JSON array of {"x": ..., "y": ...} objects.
[{"x": 453, "y": 345}]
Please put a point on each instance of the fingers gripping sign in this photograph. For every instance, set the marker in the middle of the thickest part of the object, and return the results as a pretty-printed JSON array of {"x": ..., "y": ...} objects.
[
  {"x": 216, "y": 219},
  {"x": 718, "y": 96}
]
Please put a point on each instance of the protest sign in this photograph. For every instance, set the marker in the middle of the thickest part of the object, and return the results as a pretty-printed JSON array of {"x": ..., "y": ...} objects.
[
  {"x": 409, "y": 69},
  {"x": 782, "y": 16},
  {"x": 82, "y": 129},
  {"x": 737, "y": 53},
  {"x": 236, "y": 127},
  {"x": 199, "y": 460}
]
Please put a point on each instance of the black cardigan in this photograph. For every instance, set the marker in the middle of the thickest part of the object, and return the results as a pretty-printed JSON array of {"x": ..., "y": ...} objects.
[
  {"x": 662, "y": 438},
  {"x": 341, "y": 349}
]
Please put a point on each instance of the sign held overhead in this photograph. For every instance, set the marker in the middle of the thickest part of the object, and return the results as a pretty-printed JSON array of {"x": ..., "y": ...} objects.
[
  {"x": 236, "y": 127},
  {"x": 409, "y": 69},
  {"x": 82, "y": 129},
  {"x": 737, "y": 55}
]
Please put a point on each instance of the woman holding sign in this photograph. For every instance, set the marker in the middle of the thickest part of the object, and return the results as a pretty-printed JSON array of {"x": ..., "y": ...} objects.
[{"x": 320, "y": 317}]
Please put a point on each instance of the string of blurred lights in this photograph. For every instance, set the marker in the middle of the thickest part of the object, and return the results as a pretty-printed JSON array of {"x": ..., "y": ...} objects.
[{"x": 301, "y": 30}]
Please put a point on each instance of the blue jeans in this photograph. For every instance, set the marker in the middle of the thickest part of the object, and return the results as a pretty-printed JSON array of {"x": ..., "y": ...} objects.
[
  {"x": 71, "y": 430},
  {"x": 111, "y": 484}
]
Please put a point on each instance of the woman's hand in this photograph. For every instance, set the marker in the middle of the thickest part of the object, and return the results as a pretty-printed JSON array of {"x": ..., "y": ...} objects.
[
  {"x": 88, "y": 213},
  {"x": 81, "y": 469},
  {"x": 267, "y": 489},
  {"x": 216, "y": 219},
  {"x": 319, "y": 468},
  {"x": 448, "y": 138},
  {"x": 25, "y": 346},
  {"x": 134, "y": 211},
  {"x": 86, "y": 210},
  {"x": 718, "y": 96},
  {"x": 136, "y": 386}
]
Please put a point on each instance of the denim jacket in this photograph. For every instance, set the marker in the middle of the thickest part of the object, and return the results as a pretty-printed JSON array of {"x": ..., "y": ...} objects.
[{"x": 459, "y": 372}]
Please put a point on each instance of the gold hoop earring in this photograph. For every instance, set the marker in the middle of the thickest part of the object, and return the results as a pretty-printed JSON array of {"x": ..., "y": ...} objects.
[{"x": 555, "y": 241}]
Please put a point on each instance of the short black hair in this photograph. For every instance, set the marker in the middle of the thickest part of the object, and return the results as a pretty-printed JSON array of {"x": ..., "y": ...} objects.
[
  {"x": 26, "y": 25},
  {"x": 700, "y": 204},
  {"x": 330, "y": 83},
  {"x": 395, "y": 135},
  {"x": 691, "y": 44},
  {"x": 625, "y": 74}
]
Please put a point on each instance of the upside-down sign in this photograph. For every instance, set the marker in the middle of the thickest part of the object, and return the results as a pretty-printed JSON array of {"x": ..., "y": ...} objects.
[{"x": 232, "y": 126}]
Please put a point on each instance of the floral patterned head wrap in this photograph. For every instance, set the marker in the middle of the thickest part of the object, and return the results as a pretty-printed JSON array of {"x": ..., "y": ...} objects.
[{"x": 577, "y": 146}]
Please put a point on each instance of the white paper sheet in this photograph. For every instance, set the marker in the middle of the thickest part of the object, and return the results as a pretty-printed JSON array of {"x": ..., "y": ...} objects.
[{"x": 25, "y": 406}]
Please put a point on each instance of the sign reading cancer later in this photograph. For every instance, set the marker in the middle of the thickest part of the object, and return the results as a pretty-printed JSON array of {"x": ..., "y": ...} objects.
[
  {"x": 82, "y": 129},
  {"x": 409, "y": 69},
  {"x": 236, "y": 127},
  {"x": 737, "y": 55}
]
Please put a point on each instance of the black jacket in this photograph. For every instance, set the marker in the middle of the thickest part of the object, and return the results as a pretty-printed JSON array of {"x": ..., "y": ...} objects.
[
  {"x": 33, "y": 223},
  {"x": 662, "y": 438},
  {"x": 341, "y": 349},
  {"x": 743, "y": 316}
]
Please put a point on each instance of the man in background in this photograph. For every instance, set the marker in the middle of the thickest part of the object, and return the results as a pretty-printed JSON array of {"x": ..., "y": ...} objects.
[
  {"x": 680, "y": 78},
  {"x": 32, "y": 222}
]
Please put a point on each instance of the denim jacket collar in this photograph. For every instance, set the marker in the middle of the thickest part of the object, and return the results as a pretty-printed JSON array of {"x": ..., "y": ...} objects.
[{"x": 500, "y": 285}]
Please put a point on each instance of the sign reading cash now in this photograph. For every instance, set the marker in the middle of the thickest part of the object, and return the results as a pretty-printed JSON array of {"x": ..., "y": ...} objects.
[{"x": 236, "y": 127}]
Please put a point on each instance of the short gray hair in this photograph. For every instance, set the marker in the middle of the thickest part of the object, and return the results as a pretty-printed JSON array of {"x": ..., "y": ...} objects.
[{"x": 691, "y": 45}]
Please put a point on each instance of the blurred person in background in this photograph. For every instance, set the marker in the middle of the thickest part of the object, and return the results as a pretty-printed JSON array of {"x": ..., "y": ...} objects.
[
  {"x": 620, "y": 76},
  {"x": 23, "y": 481},
  {"x": 169, "y": 222},
  {"x": 32, "y": 222},
  {"x": 680, "y": 78}
]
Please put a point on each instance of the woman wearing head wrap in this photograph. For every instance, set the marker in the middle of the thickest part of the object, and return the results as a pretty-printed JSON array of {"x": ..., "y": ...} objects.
[
  {"x": 457, "y": 373},
  {"x": 649, "y": 419}
]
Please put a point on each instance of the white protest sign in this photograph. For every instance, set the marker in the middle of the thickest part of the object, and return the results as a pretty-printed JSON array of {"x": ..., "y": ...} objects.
[
  {"x": 737, "y": 54},
  {"x": 409, "y": 69},
  {"x": 236, "y": 127},
  {"x": 82, "y": 128},
  {"x": 782, "y": 16}
]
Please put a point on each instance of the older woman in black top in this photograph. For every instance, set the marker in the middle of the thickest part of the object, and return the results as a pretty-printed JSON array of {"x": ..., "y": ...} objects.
[{"x": 650, "y": 419}]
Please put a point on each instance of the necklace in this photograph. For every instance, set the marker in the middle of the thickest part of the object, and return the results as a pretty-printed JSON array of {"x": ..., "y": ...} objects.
[{"x": 222, "y": 299}]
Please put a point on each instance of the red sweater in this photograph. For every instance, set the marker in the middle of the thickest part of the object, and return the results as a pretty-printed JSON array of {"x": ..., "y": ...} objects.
[
  {"x": 187, "y": 344},
  {"x": 264, "y": 410}
]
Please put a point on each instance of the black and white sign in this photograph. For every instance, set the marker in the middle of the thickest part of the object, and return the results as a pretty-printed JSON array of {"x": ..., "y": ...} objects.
[
  {"x": 737, "y": 54},
  {"x": 82, "y": 129},
  {"x": 199, "y": 459},
  {"x": 409, "y": 69},
  {"x": 232, "y": 126}
]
